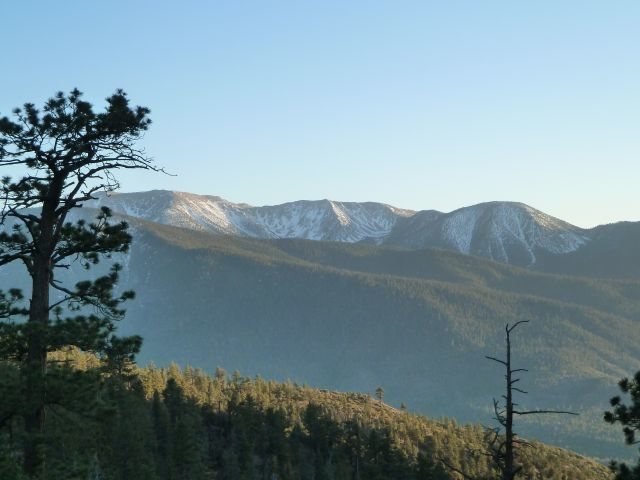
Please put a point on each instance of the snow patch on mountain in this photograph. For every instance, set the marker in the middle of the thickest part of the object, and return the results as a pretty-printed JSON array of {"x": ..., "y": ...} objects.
[
  {"x": 458, "y": 228},
  {"x": 312, "y": 220},
  {"x": 328, "y": 220},
  {"x": 504, "y": 231}
]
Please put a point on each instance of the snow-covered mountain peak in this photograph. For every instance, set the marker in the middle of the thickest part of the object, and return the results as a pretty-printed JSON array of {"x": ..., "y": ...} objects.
[
  {"x": 329, "y": 220},
  {"x": 308, "y": 219},
  {"x": 506, "y": 231}
]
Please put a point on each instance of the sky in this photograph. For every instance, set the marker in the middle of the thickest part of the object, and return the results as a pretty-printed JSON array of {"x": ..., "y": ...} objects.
[{"x": 418, "y": 104}]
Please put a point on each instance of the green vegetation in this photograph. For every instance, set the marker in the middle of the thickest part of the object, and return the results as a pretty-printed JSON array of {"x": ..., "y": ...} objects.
[
  {"x": 154, "y": 423},
  {"x": 65, "y": 154},
  {"x": 353, "y": 317},
  {"x": 627, "y": 415}
]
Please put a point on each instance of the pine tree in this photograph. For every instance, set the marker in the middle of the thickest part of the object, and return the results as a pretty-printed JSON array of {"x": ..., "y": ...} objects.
[
  {"x": 629, "y": 417},
  {"x": 68, "y": 153},
  {"x": 162, "y": 431}
]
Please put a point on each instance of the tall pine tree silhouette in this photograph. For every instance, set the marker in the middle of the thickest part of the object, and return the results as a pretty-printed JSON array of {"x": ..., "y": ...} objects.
[{"x": 66, "y": 153}]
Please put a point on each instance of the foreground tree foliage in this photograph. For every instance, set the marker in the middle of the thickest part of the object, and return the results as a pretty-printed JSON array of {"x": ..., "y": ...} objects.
[
  {"x": 174, "y": 423},
  {"x": 64, "y": 154},
  {"x": 629, "y": 417}
]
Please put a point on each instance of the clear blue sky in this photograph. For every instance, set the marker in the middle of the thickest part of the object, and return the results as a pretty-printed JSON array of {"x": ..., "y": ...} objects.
[{"x": 420, "y": 104}]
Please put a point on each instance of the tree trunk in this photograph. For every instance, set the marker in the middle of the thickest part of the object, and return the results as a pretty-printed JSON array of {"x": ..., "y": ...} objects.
[
  {"x": 508, "y": 473},
  {"x": 35, "y": 367},
  {"x": 38, "y": 322}
]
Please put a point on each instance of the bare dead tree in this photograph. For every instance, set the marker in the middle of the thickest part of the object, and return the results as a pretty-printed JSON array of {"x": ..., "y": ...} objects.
[
  {"x": 502, "y": 441},
  {"x": 503, "y": 448}
]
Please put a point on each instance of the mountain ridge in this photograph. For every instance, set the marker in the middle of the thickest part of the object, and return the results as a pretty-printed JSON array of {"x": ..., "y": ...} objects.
[{"x": 509, "y": 232}]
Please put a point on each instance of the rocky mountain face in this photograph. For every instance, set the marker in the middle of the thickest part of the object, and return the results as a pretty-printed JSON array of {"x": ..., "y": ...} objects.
[
  {"x": 508, "y": 232},
  {"x": 312, "y": 220}
]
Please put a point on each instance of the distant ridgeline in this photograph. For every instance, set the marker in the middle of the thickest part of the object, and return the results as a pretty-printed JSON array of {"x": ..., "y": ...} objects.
[
  {"x": 508, "y": 232},
  {"x": 152, "y": 423}
]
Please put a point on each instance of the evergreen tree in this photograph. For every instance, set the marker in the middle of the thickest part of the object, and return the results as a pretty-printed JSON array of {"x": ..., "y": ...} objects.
[
  {"x": 380, "y": 394},
  {"x": 629, "y": 417},
  {"x": 162, "y": 430},
  {"x": 68, "y": 153},
  {"x": 187, "y": 440}
]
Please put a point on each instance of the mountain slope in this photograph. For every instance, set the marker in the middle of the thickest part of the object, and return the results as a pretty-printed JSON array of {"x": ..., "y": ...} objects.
[
  {"x": 355, "y": 316},
  {"x": 351, "y": 317},
  {"x": 165, "y": 420},
  {"x": 612, "y": 252},
  {"x": 504, "y": 231},
  {"x": 414, "y": 439}
]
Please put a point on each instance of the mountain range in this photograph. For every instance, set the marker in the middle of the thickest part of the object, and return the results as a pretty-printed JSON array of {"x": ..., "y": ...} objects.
[
  {"x": 353, "y": 296},
  {"x": 508, "y": 232}
]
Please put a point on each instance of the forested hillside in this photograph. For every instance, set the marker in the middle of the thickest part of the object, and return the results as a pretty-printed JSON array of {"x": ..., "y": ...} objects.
[
  {"x": 419, "y": 323},
  {"x": 116, "y": 421},
  {"x": 352, "y": 317}
]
